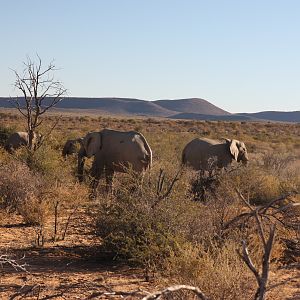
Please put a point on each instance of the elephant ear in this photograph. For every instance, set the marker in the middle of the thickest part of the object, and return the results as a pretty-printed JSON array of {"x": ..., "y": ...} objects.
[
  {"x": 91, "y": 143},
  {"x": 233, "y": 148}
]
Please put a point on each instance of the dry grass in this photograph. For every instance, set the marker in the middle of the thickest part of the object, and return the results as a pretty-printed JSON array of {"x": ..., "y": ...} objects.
[{"x": 174, "y": 237}]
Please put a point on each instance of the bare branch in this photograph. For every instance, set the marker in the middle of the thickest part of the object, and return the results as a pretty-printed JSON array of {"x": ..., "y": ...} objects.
[
  {"x": 236, "y": 219},
  {"x": 175, "y": 179},
  {"x": 160, "y": 184},
  {"x": 47, "y": 135},
  {"x": 16, "y": 104},
  {"x": 262, "y": 210},
  {"x": 244, "y": 200},
  {"x": 6, "y": 259},
  {"x": 260, "y": 228},
  {"x": 176, "y": 288},
  {"x": 266, "y": 262},
  {"x": 247, "y": 259},
  {"x": 281, "y": 198},
  {"x": 41, "y": 92}
]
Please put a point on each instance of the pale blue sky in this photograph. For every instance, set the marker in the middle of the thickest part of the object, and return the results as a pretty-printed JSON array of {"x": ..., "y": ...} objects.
[{"x": 243, "y": 56}]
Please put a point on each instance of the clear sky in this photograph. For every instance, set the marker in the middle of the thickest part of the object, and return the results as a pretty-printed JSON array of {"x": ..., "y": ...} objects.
[{"x": 243, "y": 56}]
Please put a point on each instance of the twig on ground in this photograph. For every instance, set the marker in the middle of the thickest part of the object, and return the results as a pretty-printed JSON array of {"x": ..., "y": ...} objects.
[
  {"x": 176, "y": 288},
  {"x": 6, "y": 259}
]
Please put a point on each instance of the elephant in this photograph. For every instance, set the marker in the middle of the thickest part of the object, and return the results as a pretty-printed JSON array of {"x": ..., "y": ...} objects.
[
  {"x": 114, "y": 151},
  {"x": 198, "y": 153},
  {"x": 71, "y": 147},
  {"x": 19, "y": 139}
]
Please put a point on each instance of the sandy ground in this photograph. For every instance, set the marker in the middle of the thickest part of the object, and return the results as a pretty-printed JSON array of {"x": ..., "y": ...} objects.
[
  {"x": 69, "y": 269},
  {"x": 75, "y": 269}
]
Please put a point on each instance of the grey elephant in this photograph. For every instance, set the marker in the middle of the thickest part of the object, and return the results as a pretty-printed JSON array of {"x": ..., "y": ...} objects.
[
  {"x": 114, "y": 151},
  {"x": 71, "y": 147},
  {"x": 19, "y": 139},
  {"x": 201, "y": 152}
]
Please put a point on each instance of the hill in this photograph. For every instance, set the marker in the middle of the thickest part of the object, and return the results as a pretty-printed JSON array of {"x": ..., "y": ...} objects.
[
  {"x": 128, "y": 106},
  {"x": 192, "y": 105},
  {"x": 192, "y": 108},
  {"x": 233, "y": 117},
  {"x": 290, "y": 116},
  {"x": 118, "y": 106}
]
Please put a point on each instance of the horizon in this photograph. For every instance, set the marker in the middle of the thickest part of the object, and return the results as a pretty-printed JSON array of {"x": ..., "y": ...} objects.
[
  {"x": 126, "y": 98},
  {"x": 240, "y": 57}
]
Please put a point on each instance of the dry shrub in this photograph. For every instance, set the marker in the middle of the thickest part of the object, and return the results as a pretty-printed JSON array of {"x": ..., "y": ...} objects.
[
  {"x": 33, "y": 210},
  {"x": 218, "y": 271},
  {"x": 32, "y": 190},
  {"x": 17, "y": 184},
  {"x": 132, "y": 230},
  {"x": 257, "y": 184},
  {"x": 22, "y": 190},
  {"x": 5, "y": 132},
  {"x": 63, "y": 202},
  {"x": 176, "y": 236},
  {"x": 277, "y": 163},
  {"x": 46, "y": 161},
  {"x": 136, "y": 225}
]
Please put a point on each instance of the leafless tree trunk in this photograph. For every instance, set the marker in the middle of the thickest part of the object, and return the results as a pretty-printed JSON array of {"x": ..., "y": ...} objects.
[
  {"x": 39, "y": 92},
  {"x": 263, "y": 276}
]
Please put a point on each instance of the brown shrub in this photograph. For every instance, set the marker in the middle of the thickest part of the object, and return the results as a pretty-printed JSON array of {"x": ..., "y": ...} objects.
[
  {"x": 218, "y": 271},
  {"x": 17, "y": 184},
  {"x": 33, "y": 210}
]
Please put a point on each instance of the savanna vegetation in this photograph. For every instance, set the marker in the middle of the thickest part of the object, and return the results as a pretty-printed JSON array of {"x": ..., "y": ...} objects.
[{"x": 179, "y": 227}]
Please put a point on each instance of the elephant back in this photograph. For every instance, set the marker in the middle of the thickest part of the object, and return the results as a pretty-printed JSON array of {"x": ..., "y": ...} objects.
[
  {"x": 126, "y": 146},
  {"x": 18, "y": 138}
]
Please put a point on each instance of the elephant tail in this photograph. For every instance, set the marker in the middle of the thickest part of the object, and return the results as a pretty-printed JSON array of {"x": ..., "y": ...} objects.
[{"x": 149, "y": 151}]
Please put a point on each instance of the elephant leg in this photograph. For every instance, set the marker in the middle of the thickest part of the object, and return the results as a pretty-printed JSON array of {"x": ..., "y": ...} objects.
[
  {"x": 96, "y": 172},
  {"x": 9, "y": 148},
  {"x": 80, "y": 164},
  {"x": 140, "y": 180},
  {"x": 109, "y": 175},
  {"x": 81, "y": 169}
]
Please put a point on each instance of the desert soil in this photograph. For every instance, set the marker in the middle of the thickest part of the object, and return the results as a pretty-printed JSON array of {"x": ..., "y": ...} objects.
[{"x": 75, "y": 269}]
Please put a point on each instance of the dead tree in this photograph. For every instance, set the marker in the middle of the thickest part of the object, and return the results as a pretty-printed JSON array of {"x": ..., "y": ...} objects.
[
  {"x": 267, "y": 239},
  {"x": 39, "y": 93}
]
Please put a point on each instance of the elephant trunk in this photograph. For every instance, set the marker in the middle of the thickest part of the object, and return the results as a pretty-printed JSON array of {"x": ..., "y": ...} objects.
[
  {"x": 64, "y": 153},
  {"x": 245, "y": 159},
  {"x": 149, "y": 151}
]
